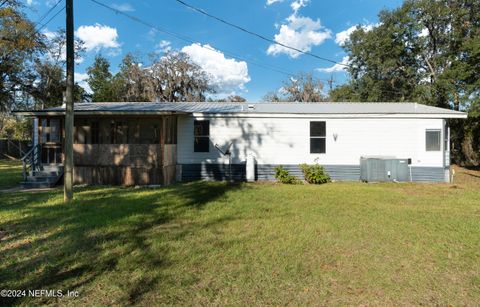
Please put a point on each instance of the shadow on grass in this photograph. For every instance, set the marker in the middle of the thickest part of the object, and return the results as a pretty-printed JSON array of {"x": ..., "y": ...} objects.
[
  {"x": 473, "y": 175},
  {"x": 49, "y": 245}
]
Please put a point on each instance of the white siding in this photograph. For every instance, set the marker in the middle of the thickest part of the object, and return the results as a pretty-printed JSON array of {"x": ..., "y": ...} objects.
[{"x": 287, "y": 140}]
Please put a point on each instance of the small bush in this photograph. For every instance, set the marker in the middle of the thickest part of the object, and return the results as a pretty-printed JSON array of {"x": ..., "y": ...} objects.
[
  {"x": 315, "y": 174},
  {"x": 283, "y": 176}
]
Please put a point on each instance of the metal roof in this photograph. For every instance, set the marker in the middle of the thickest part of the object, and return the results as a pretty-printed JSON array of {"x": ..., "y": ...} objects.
[{"x": 251, "y": 108}]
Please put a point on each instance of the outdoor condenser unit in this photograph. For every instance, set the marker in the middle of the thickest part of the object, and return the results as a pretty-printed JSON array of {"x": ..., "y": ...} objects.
[{"x": 378, "y": 169}]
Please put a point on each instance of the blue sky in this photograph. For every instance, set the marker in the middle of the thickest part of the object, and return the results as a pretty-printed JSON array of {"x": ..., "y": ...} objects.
[{"x": 316, "y": 26}]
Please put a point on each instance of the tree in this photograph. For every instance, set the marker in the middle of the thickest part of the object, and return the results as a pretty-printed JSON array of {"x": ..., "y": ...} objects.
[
  {"x": 273, "y": 96},
  {"x": 230, "y": 98},
  {"x": 20, "y": 44},
  {"x": 174, "y": 77},
  {"x": 302, "y": 88},
  {"x": 423, "y": 51},
  {"x": 48, "y": 82},
  {"x": 100, "y": 80},
  {"x": 133, "y": 83}
]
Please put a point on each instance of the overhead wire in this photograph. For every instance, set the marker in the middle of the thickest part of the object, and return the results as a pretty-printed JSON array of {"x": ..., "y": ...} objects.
[
  {"x": 49, "y": 20},
  {"x": 47, "y": 13},
  {"x": 192, "y": 41},
  {"x": 263, "y": 37}
]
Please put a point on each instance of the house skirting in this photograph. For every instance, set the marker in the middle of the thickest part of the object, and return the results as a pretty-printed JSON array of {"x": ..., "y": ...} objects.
[
  {"x": 210, "y": 171},
  {"x": 118, "y": 175}
]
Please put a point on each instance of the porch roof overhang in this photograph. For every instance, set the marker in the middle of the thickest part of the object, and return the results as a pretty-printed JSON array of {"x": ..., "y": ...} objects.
[{"x": 95, "y": 113}]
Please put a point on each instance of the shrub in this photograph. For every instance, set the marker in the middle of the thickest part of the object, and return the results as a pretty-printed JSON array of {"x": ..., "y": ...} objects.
[
  {"x": 283, "y": 176},
  {"x": 315, "y": 174}
]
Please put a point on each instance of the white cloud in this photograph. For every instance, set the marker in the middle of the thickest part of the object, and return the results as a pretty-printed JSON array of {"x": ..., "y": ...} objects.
[
  {"x": 123, "y": 7},
  {"x": 337, "y": 67},
  {"x": 163, "y": 46},
  {"x": 226, "y": 75},
  {"x": 342, "y": 37},
  {"x": 98, "y": 36},
  {"x": 301, "y": 33},
  {"x": 270, "y": 2},
  {"x": 31, "y": 2},
  {"x": 297, "y": 4},
  {"x": 81, "y": 79},
  {"x": 49, "y": 34}
]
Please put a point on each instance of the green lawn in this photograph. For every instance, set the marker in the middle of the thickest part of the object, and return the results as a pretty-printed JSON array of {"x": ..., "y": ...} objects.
[
  {"x": 10, "y": 173},
  {"x": 209, "y": 243}
]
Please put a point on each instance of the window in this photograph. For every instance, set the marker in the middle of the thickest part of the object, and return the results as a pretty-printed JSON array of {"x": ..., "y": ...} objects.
[
  {"x": 433, "y": 140},
  {"x": 54, "y": 130},
  {"x": 45, "y": 131},
  {"x": 51, "y": 131},
  {"x": 318, "y": 133},
  {"x": 201, "y": 132}
]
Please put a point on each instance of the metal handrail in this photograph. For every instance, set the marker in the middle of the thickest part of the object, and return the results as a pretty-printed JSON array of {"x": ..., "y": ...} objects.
[
  {"x": 29, "y": 152},
  {"x": 31, "y": 160}
]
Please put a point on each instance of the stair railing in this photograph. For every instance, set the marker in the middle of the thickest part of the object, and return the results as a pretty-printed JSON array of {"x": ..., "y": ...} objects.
[{"x": 31, "y": 160}]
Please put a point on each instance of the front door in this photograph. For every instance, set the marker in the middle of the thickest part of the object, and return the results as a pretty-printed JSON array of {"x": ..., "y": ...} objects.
[{"x": 50, "y": 139}]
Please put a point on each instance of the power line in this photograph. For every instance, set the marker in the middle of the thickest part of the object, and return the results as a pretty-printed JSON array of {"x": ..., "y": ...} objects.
[
  {"x": 258, "y": 35},
  {"x": 190, "y": 40},
  {"x": 47, "y": 13},
  {"x": 48, "y": 21}
]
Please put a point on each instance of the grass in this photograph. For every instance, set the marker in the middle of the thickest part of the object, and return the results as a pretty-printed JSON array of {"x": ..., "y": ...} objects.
[
  {"x": 211, "y": 243},
  {"x": 10, "y": 173}
]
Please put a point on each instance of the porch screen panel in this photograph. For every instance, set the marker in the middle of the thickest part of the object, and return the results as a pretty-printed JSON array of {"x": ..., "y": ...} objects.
[
  {"x": 149, "y": 133},
  {"x": 95, "y": 131},
  {"x": 170, "y": 130}
]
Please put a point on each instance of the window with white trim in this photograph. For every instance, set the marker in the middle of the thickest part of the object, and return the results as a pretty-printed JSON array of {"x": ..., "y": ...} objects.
[
  {"x": 433, "y": 139},
  {"x": 318, "y": 137}
]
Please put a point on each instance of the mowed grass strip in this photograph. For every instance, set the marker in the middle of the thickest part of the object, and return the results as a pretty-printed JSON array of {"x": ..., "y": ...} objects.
[{"x": 207, "y": 243}]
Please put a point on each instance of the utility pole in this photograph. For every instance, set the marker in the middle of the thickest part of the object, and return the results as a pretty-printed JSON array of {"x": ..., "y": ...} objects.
[
  {"x": 330, "y": 83},
  {"x": 68, "y": 174}
]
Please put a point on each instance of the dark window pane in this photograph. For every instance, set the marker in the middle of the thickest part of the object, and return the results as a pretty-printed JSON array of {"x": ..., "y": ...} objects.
[
  {"x": 44, "y": 131},
  {"x": 55, "y": 130},
  {"x": 121, "y": 133},
  {"x": 432, "y": 138},
  {"x": 202, "y": 144},
  {"x": 318, "y": 129},
  {"x": 317, "y": 145},
  {"x": 201, "y": 128},
  {"x": 95, "y": 133}
]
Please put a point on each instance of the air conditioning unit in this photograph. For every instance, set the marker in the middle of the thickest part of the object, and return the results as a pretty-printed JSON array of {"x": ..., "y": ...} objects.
[{"x": 381, "y": 169}]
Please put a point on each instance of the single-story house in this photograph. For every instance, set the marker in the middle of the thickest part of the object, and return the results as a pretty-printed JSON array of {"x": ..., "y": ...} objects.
[{"x": 132, "y": 143}]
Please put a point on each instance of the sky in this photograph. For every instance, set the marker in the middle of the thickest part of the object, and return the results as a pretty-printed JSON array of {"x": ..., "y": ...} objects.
[{"x": 237, "y": 63}]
